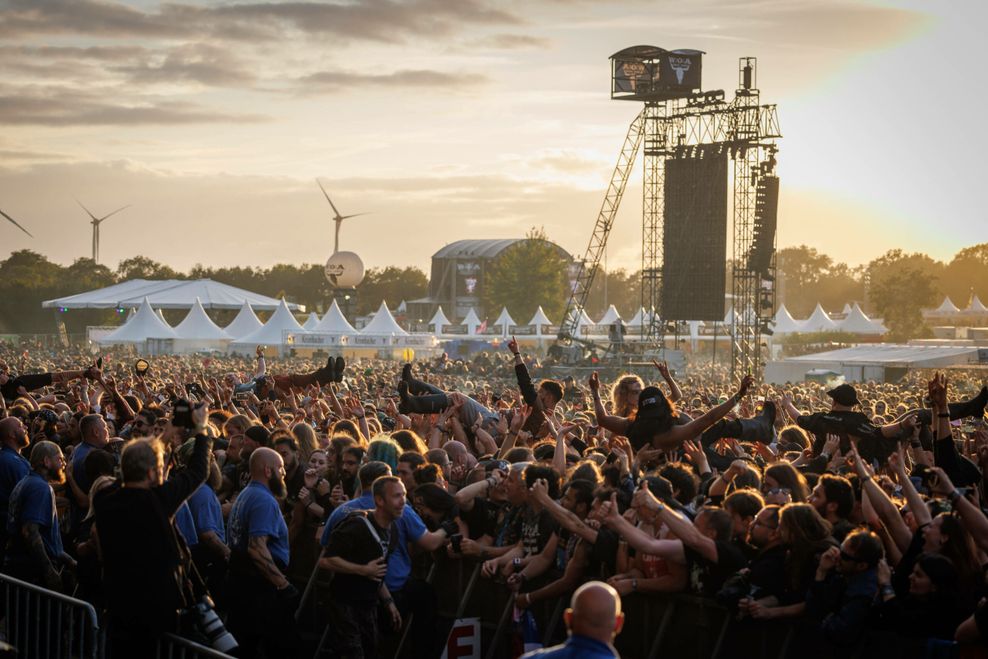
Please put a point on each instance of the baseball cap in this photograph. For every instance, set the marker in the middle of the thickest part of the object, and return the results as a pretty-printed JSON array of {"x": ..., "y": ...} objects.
[
  {"x": 258, "y": 434},
  {"x": 651, "y": 404},
  {"x": 844, "y": 395}
]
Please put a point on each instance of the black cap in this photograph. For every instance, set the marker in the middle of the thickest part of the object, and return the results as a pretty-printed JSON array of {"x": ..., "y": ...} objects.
[
  {"x": 844, "y": 395},
  {"x": 651, "y": 403},
  {"x": 259, "y": 434}
]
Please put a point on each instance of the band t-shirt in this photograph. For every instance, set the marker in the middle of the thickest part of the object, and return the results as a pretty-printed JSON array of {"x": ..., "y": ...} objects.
[
  {"x": 206, "y": 511},
  {"x": 32, "y": 502},
  {"x": 353, "y": 541},
  {"x": 256, "y": 514},
  {"x": 846, "y": 423},
  {"x": 705, "y": 577}
]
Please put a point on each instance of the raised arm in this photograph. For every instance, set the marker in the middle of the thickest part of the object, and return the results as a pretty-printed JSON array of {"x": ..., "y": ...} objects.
[
  {"x": 675, "y": 393},
  {"x": 641, "y": 541},
  {"x": 681, "y": 527},
  {"x": 879, "y": 500},
  {"x": 521, "y": 372},
  {"x": 616, "y": 424},
  {"x": 566, "y": 519},
  {"x": 974, "y": 520},
  {"x": 678, "y": 434}
]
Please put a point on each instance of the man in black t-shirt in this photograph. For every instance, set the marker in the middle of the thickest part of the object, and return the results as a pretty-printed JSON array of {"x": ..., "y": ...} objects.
[{"x": 358, "y": 551}]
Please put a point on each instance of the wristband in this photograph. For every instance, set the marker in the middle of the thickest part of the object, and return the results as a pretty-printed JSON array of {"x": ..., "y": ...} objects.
[{"x": 387, "y": 602}]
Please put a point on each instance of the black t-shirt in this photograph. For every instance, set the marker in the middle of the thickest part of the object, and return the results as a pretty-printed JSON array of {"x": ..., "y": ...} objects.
[
  {"x": 603, "y": 555},
  {"x": 482, "y": 518},
  {"x": 845, "y": 423},
  {"x": 352, "y": 541},
  {"x": 768, "y": 572},
  {"x": 536, "y": 529},
  {"x": 705, "y": 577}
]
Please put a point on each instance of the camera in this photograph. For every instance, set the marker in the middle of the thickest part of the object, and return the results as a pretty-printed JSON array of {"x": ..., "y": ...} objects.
[
  {"x": 208, "y": 624},
  {"x": 182, "y": 414}
]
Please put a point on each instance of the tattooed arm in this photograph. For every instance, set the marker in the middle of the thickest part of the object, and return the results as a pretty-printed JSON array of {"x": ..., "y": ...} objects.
[
  {"x": 36, "y": 549},
  {"x": 257, "y": 549}
]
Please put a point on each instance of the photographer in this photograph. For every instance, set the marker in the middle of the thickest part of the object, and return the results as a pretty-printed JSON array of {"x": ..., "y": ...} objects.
[{"x": 143, "y": 561}]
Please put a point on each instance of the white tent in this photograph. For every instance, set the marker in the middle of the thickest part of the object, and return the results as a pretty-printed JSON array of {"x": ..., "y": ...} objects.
[
  {"x": 162, "y": 316},
  {"x": 818, "y": 321},
  {"x": 858, "y": 323},
  {"x": 334, "y": 322},
  {"x": 472, "y": 321},
  {"x": 143, "y": 326},
  {"x": 167, "y": 294},
  {"x": 946, "y": 308},
  {"x": 383, "y": 323},
  {"x": 540, "y": 318},
  {"x": 198, "y": 332},
  {"x": 505, "y": 321},
  {"x": 784, "y": 322},
  {"x": 976, "y": 307},
  {"x": 245, "y": 322},
  {"x": 272, "y": 333},
  {"x": 847, "y": 309},
  {"x": 311, "y": 322},
  {"x": 729, "y": 317},
  {"x": 640, "y": 318},
  {"x": 610, "y": 316},
  {"x": 439, "y": 320}
]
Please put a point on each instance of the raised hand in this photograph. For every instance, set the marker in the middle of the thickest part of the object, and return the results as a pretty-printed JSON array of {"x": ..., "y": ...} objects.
[
  {"x": 829, "y": 559},
  {"x": 540, "y": 490},
  {"x": 594, "y": 382},
  {"x": 663, "y": 368},
  {"x": 745, "y": 385},
  {"x": 513, "y": 345}
]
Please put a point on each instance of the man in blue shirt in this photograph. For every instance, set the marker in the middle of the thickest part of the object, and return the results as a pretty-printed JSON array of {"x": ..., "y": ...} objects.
[
  {"x": 13, "y": 467},
  {"x": 262, "y": 600},
  {"x": 593, "y": 619},
  {"x": 36, "y": 552},
  {"x": 95, "y": 436}
]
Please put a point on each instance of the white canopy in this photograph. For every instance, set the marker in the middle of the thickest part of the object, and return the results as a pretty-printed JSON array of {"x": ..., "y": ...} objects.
[
  {"x": 161, "y": 315},
  {"x": 143, "y": 326},
  {"x": 610, "y": 316},
  {"x": 976, "y": 306},
  {"x": 858, "y": 323},
  {"x": 819, "y": 321},
  {"x": 505, "y": 321},
  {"x": 729, "y": 316},
  {"x": 198, "y": 326},
  {"x": 784, "y": 322},
  {"x": 311, "y": 322},
  {"x": 946, "y": 307},
  {"x": 245, "y": 322},
  {"x": 167, "y": 294},
  {"x": 383, "y": 323},
  {"x": 438, "y": 320},
  {"x": 640, "y": 318},
  {"x": 472, "y": 321},
  {"x": 847, "y": 308},
  {"x": 272, "y": 333},
  {"x": 334, "y": 322},
  {"x": 540, "y": 318}
]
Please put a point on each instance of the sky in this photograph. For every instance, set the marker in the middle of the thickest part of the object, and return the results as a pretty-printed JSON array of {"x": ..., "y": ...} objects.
[{"x": 452, "y": 119}]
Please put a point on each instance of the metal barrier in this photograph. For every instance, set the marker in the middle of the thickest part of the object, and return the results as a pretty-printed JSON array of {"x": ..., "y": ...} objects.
[
  {"x": 171, "y": 646},
  {"x": 43, "y": 623}
]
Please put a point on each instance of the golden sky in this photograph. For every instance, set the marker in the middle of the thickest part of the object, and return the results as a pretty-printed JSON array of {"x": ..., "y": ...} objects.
[{"x": 451, "y": 119}]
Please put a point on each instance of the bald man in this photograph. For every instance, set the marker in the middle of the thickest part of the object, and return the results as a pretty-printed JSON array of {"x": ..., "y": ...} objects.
[
  {"x": 13, "y": 467},
  {"x": 593, "y": 619},
  {"x": 262, "y": 600}
]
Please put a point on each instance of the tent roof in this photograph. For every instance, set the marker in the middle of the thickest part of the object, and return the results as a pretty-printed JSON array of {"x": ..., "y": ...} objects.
[
  {"x": 640, "y": 318},
  {"x": 311, "y": 322},
  {"x": 334, "y": 322},
  {"x": 272, "y": 331},
  {"x": 847, "y": 308},
  {"x": 198, "y": 325},
  {"x": 383, "y": 323},
  {"x": 472, "y": 320},
  {"x": 976, "y": 306},
  {"x": 540, "y": 318},
  {"x": 505, "y": 320},
  {"x": 858, "y": 323},
  {"x": 245, "y": 322},
  {"x": 439, "y": 319},
  {"x": 143, "y": 326},
  {"x": 167, "y": 294},
  {"x": 609, "y": 316},
  {"x": 889, "y": 354},
  {"x": 819, "y": 321},
  {"x": 946, "y": 307},
  {"x": 784, "y": 322}
]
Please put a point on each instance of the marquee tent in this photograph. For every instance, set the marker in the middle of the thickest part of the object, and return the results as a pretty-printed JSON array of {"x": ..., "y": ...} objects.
[
  {"x": 784, "y": 322},
  {"x": 439, "y": 319},
  {"x": 272, "y": 333},
  {"x": 858, "y": 323},
  {"x": 472, "y": 321},
  {"x": 167, "y": 294},
  {"x": 311, "y": 322},
  {"x": 819, "y": 321},
  {"x": 198, "y": 332},
  {"x": 138, "y": 330},
  {"x": 245, "y": 323},
  {"x": 610, "y": 316},
  {"x": 946, "y": 308},
  {"x": 976, "y": 307},
  {"x": 505, "y": 321},
  {"x": 334, "y": 322},
  {"x": 383, "y": 324}
]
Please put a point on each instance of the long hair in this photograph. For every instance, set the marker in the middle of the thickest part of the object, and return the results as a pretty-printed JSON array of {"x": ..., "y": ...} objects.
[
  {"x": 621, "y": 405},
  {"x": 786, "y": 476},
  {"x": 306, "y": 438},
  {"x": 959, "y": 548},
  {"x": 806, "y": 534},
  {"x": 409, "y": 440}
]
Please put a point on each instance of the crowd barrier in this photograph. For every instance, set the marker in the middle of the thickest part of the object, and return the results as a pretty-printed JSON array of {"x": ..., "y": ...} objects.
[
  {"x": 171, "y": 646},
  {"x": 43, "y": 623}
]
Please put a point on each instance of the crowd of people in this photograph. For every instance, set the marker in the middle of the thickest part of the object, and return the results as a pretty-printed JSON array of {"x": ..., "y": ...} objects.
[{"x": 195, "y": 484}]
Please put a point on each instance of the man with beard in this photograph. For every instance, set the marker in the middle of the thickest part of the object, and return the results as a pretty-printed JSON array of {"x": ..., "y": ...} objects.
[
  {"x": 262, "y": 600},
  {"x": 143, "y": 560},
  {"x": 349, "y": 465},
  {"x": 13, "y": 467},
  {"x": 35, "y": 551}
]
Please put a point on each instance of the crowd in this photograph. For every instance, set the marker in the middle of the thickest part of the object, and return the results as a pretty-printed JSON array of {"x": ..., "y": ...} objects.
[{"x": 188, "y": 484}]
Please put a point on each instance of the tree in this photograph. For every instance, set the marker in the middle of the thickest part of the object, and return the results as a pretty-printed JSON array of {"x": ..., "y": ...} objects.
[
  {"x": 141, "y": 267},
  {"x": 391, "y": 284},
  {"x": 900, "y": 287},
  {"x": 623, "y": 291},
  {"x": 527, "y": 274},
  {"x": 967, "y": 273}
]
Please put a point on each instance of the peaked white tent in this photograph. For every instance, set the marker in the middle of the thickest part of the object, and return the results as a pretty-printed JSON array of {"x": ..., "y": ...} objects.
[
  {"x": 539, "y": 320},
  {"x": 311, "y": 322},
  {"x": 162, "y": 316},
  {"x": 976, "y": 307},
  {"x": 847, "y": 309},
  {"x": 167, "y": 294},
  {"x": 784, "y": 322},
  {"x": 272, "y": 333},
  {"x": 640, "y": 318},
  {"x": 729, "y": 316},
  {"x": 438, "y": 320},
  {"x": 610, "y": 316},
  {"x": 245, "y": 322},
  {"x": 472, "y": 321},
  {"x": 819, "y": 321},
  {"x": 138, "y": 330},
  {"x": 334, "y": 322},
  {"x": 505, "y": 321},
  {"x": 858, "y": 323},
  {"x": 198, "y": 332},
  {"x": 946, "y": 308},
  {"x": 383, "y": 323}
]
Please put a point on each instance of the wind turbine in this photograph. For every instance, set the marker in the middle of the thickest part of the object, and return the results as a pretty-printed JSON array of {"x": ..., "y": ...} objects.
[
  {"x": 14, "y": 222},
  {"x": 96, "y": 222},
  {"x": 338, "y": 218}
]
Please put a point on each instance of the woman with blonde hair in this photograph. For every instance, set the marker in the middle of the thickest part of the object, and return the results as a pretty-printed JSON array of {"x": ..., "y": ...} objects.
[{"x": 305, "y": 435}]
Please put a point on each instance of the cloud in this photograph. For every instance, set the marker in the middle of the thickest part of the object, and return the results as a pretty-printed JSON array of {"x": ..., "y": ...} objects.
[
  {"x": 324, "y": 81},
  {"x": 199, "y": 63},
  {"x": 62, "y": 106},
  {"x": 514, "y": 42},
  {"x": 376, "y": 20}
]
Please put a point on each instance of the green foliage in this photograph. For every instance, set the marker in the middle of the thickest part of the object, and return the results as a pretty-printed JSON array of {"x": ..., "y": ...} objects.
[
  {"x": 808, "y": 277},
  {"x": 391, "y": 284},
  {"x": 623, "y": 291},
  {"x": 900, "y": 287},
  {"x": 530, "y": 273}
]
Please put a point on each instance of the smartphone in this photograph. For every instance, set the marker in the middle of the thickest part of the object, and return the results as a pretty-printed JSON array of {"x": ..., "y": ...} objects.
[
  {"x": 456, "y": 541},
  {"x": 241, "y": 396}
]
